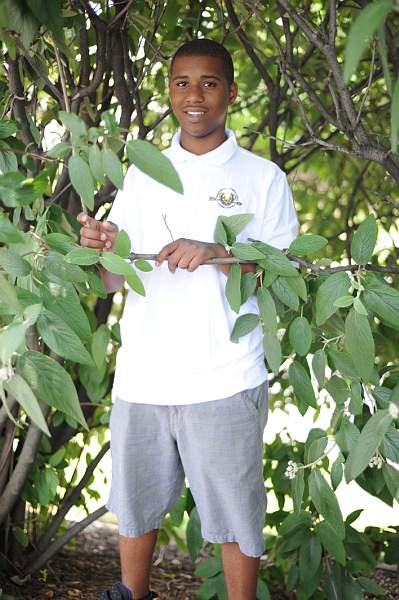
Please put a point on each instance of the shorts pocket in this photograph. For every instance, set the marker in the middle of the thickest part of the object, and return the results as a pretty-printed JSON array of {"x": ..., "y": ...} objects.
[{"x": 256, "y": 399}]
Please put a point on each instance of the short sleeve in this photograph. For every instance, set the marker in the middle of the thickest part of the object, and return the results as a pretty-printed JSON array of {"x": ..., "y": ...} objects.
[{"x": 280, "y": 223}]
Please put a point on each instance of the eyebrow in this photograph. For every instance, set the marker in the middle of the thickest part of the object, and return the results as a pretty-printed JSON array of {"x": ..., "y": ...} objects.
[{"x": 202, "y": 77}]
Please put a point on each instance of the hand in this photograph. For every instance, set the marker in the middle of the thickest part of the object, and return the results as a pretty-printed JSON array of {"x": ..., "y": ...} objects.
[
  {"x": 97, "y": 234},
  {"x": 189, "y": 254}
]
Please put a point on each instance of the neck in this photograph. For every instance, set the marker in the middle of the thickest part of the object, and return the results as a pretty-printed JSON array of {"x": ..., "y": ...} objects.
[{"x": 202, "y": 145}]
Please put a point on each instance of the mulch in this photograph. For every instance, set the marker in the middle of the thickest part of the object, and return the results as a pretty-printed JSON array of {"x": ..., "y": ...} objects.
[{"x": 83, "y": 571}]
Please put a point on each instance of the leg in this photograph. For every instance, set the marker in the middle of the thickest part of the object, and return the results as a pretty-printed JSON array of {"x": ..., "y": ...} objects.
[
  {"x": 240, "y": 571},
  {"x": 136, "y": 559}
]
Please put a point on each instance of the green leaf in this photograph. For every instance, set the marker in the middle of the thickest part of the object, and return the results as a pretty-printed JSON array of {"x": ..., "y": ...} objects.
[
  {"x": 395, "y": 118},
  {"x": 358, "y": 336},
  {"x": 309, "y": 557},
  {"x": 59, "y": 150},
  {"x": 275, "y": 261},
  {"x": 122, "y": 244},
  {"x": 209, "y": 567},
  {"x": 301, "y": 383},
  {"x": 316, "y": 449},
  {"x": 9, "y": 233},
  {"x": 115, "y": 264},
  {"x": 300, "y": 335},
  {"x": 307, "y": 244},
  {"x": 58, "y": 270},
  {"x": 370, "y": 438},
  {"x": 363, "y": 242},
  {"x": 74, "y": 124},
  {"x": 96, "y": 163},
  {"x": 244, "y": 325},
  {"x": 8, "y": 128},
  {"x": 228, "y": 227},
  {"x": 326, "y": 502},
  {"x": 382, "y": 49},
  {"x": 267, "y": 310},
  {"x": 262, "y": 591},
  {"x": 59, "y": 242},
  {"x": 347, "y": 436},
  {"x": 359, "y": 307},
  {"x": 51, "y": 383},
  {"x": 154, "y": 163},
  {"x": 8, "y": 294},
  {"x": 143, "y": 265},
  {"x": 338, "y": 389},
  {"x": 391, "y": 476},
  {"x": 8, "y": 160},
  {"x": 369, "y": 20},
  {"x": 272, "y": 351},
  {"x": 233, "y": 288},
  {"x": 343, "y": 363},
  {"x": 371, "y": 586},
  {"x": 331, "y": 541},
  {"x": 134, "y": 282},
  {"x": 99, "y": 344},
  {"x": 356, "y": 402},
  {"x": 335, "y": 286},
  {"x": 248, "y": 285},
  {"x": 14, "y": 264},
  {"x": 297, "y": 489},
  {"x": 21, "y": 538},
  {"x": 298, "y": 285},
  {"x": 337, "y": 471},
  {"x": 63, "y": 300},
  {"x": 285, "y": 293},
  {"x": 11, "y": 339},
  {"x": 83, "y": 256},
  {"x": 60, "y": 338},
  {"x": 21, "y": 391},
  {"x": 193, "y": 534},
  {"x": 246, "y": 252},
  {"x": 344, "y": 301},
  {"x": 82, "y": 180},
  {"x": 319, "y": 363},
  {"x": 113, "y": 167},
  {"x": 382, "y": 299}
]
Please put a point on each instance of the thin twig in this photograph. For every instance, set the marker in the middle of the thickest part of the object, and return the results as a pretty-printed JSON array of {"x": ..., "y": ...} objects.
[{"x": 62, "y": 78}]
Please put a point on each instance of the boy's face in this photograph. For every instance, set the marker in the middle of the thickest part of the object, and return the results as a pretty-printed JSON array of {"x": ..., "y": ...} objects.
[{"x": 200, "y": 95}]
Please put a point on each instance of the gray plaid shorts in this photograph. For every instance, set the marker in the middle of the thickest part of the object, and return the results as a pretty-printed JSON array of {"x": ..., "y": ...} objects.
[{"x": 217, "y": 445}]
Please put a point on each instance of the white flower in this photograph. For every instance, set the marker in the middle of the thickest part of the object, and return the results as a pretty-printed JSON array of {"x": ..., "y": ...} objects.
[
  {"x": 376, "y": 461},
  {"x": 6, "y": 373},
  {"x": 393, "y": 410},
  {"x": 291, "y": 470}
]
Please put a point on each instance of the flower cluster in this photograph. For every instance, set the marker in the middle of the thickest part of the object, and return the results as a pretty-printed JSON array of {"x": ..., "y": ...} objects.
[
  {"x": 376, "y": 461},
  {"x": 291, "y": 470},
  {"x": 6, "y": 373}
]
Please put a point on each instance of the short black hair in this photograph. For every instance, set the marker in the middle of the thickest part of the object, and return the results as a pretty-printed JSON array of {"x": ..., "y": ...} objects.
[{"x": 206, "y": 47}]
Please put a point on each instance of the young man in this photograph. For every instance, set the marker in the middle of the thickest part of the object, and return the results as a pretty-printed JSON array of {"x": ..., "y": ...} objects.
[{"x": 188, "y": 402}]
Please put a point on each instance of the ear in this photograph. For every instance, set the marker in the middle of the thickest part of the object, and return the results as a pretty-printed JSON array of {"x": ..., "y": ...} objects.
[{"x": 233, "y": 92}]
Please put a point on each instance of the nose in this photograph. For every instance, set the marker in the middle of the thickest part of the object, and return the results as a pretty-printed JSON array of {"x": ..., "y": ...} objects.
[{"x": 194, "y": 94}]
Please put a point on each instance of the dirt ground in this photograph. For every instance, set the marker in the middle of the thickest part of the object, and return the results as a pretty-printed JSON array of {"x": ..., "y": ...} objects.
[{"x": 83, "y": 572}]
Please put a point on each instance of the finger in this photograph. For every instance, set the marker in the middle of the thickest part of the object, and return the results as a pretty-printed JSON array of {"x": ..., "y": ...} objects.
[
  {"x": 89, "y": 243},
  {"x": 89, "y": 221},
  {"x": 165, "y": 252},
  {"x": 175, "y": 258},
  {"x": 195, "y": 263},
  {"x": 92, "y": 234},
  {"x": 186, "y": 259},
  {"x": 110, "y": 227}
]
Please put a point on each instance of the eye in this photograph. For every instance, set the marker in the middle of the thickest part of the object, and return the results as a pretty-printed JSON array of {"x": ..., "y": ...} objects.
[
  {"x": 181, "y": 84},
  {"x": 211, "y": 84}
]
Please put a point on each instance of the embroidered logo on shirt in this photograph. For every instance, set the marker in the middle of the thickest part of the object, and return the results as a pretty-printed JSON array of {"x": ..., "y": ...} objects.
[{"x": 226, "y": 198}]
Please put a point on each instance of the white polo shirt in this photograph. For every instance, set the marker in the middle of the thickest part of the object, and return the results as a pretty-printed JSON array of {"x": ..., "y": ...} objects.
[{"x": 176, "y": 346}]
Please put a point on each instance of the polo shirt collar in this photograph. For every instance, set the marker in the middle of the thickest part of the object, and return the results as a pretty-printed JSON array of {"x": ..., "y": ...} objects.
[{"x": 216, "y": 157}]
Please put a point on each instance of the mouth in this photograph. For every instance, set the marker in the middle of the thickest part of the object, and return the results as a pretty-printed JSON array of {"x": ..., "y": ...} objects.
[{"x": 195, "y": 116}]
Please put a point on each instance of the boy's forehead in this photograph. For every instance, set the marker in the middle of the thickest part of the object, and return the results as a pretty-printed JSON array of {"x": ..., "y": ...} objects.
[{"x": 186, "y": 64}]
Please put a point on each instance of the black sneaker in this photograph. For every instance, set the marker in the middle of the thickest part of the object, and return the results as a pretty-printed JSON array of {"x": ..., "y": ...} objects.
[{"x": 120, "y": 592}]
